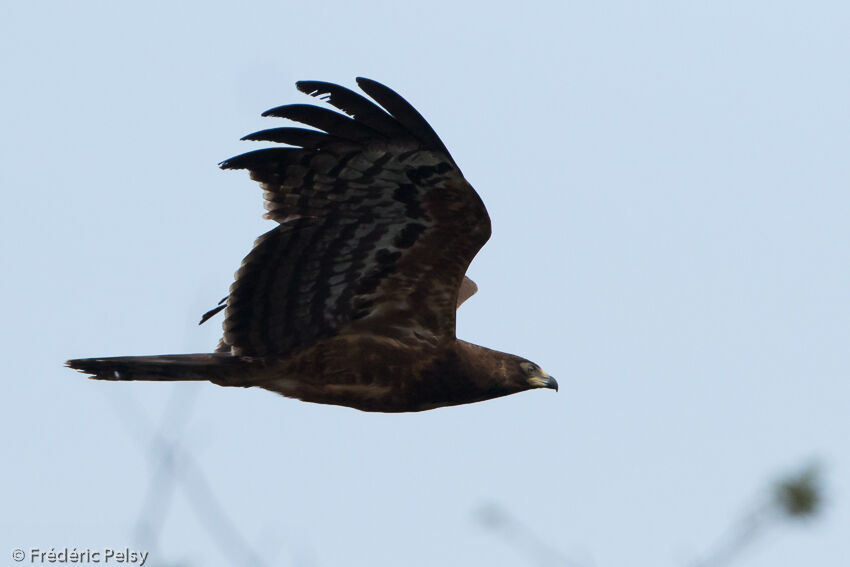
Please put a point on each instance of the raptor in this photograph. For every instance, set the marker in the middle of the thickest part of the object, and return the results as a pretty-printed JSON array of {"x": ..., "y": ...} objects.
[{"x": 351, "y": 298}]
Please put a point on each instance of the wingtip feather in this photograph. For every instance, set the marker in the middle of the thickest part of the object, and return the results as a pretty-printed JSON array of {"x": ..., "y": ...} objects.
[{"x": 312, "y": 88}]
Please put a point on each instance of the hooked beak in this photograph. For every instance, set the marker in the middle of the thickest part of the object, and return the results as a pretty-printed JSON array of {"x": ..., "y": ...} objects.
[{"x": 543, "y": 380}]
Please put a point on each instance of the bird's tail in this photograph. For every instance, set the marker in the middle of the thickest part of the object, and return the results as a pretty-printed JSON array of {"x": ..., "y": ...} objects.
[{"x": 222, "y": 368}]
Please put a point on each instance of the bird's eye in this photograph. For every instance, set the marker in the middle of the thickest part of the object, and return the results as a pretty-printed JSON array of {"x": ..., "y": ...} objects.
[{"x": 529, "y": 367}]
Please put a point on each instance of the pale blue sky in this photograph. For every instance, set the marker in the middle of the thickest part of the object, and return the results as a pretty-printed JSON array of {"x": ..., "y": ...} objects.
[{"x": 670, "y": 194}]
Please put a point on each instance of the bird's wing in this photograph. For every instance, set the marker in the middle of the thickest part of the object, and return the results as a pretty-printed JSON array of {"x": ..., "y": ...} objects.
[
  {"x": 468, "y": 288},
  {"x": 376, "y": 227}
]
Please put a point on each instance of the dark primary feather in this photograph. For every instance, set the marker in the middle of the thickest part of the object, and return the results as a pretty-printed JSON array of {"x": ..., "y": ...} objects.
[
  {"x": 325, "y": 120},
  {"x": 355, "y": 105},
  {"x": 404, "y": 112},
  {"x": 293, "y": 136},
  {"x": 377, "y": 227}
]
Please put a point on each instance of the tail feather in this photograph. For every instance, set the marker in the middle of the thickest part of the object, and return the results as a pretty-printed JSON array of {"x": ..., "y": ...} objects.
[{"x": 215, "y": 367}]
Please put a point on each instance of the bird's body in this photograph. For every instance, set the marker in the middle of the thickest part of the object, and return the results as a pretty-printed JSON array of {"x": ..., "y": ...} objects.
[
  {"x": 351, "y": 299},
  {"x": 386, "y": 375}
]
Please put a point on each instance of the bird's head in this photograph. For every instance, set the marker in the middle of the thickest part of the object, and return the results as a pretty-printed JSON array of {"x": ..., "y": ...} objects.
[
  {"x": 536, "y": 377},
  {"x": 490, "y": 373}
]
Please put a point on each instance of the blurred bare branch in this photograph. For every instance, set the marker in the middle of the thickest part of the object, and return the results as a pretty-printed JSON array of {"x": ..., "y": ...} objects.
[
  {"x": 157, "y": 502},
  {"x": 170, "y": 459},
  {"x": 495, "y": 518},
  {"x": 798, "y": 496},
  {"x": 793, "y": 498}
]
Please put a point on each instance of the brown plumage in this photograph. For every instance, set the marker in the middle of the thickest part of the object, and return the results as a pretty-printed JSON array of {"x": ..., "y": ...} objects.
[{"x": 351, "y": 298}]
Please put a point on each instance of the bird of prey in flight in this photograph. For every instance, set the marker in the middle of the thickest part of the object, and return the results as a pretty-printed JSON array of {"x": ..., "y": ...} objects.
[{"x": 351, "y": 298}]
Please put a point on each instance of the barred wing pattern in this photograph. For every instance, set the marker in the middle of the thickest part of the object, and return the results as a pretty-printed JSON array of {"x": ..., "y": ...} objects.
[{"x": 377, "y": 227}]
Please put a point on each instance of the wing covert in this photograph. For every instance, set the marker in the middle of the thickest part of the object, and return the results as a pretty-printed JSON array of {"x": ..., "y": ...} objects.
[{"x": 376, "y": 227}]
